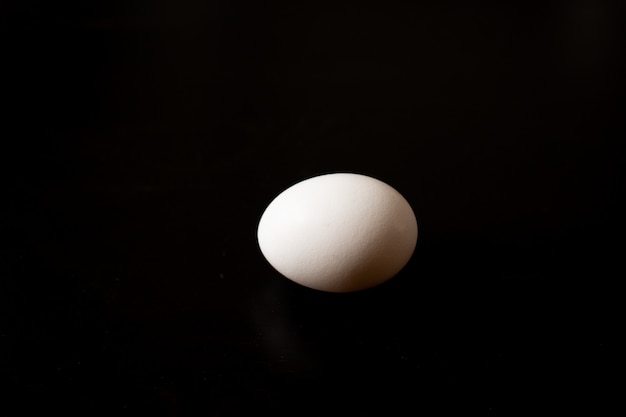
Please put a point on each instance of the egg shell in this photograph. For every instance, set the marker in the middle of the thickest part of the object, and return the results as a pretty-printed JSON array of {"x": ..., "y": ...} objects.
[{"x": 338, "y": 232}]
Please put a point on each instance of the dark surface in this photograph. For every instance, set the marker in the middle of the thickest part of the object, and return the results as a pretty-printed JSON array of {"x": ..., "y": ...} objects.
[{"x": 143, "y": 140}]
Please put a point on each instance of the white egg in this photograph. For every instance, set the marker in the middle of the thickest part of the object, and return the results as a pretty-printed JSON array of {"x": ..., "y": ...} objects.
[{"x": 338, "y": 232}]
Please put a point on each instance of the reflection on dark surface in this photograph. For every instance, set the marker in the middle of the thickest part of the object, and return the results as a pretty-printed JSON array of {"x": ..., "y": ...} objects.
[{"x": 144, "y": 139}]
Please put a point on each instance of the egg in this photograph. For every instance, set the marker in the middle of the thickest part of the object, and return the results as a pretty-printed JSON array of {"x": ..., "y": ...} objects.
[{"x": 338, "y": 232}]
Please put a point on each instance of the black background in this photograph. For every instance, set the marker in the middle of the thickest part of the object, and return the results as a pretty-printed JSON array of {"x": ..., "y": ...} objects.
[{"x": 143, "y": 139}]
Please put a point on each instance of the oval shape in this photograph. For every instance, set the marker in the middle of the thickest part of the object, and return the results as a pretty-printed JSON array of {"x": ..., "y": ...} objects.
[{"x": 338, "y": 232}]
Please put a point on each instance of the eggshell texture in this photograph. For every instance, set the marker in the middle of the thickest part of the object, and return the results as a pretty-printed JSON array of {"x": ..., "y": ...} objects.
[{"x": 338, "y": 232}]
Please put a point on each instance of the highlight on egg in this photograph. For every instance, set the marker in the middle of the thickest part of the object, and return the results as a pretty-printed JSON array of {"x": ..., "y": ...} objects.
[{"x": 339, "y": 232}]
